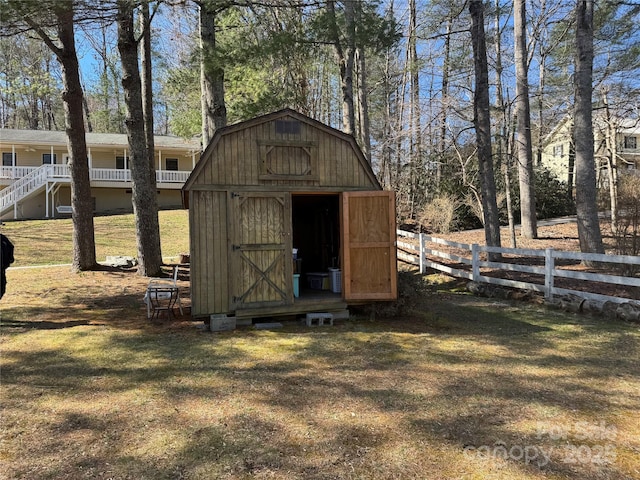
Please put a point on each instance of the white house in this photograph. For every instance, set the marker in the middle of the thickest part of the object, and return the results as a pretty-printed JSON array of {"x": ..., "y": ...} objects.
[
  {"x": 557, "y": 155},
  {"x": 35, "y": 178}
]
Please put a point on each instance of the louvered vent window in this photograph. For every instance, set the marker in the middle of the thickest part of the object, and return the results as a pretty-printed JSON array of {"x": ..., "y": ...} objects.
[{"x": 288, "y": 127}]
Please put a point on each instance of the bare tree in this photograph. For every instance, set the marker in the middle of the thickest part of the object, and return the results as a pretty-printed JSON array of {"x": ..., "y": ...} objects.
[
  {"x": 214, "y": 111},
  {"x": 144, "y": 199},
  {"x": 586, "y": 207},
  {"x": 363, "y": 104},
  {"x": 147, "y": 87},
  {"x": 442, "y": 140},
  {"x": 345, "y": 54},
  {"x": 37, "y": 17},
  {"x": 523, "y": 115},
  {"x": 611, "y": 158},
  {"x": 482, "y": 124},
  {"x": 503, "y": 144},
  {"x": 415, "y": 139}
]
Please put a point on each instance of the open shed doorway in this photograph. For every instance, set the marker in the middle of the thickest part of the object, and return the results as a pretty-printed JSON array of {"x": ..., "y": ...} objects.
[{"x": 316, "y": 238}]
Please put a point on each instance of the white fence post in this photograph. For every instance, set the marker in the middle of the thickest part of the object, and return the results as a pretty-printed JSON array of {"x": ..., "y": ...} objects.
[
  {"x": 549, "y": 267},
  {"x": 422, "y": 253},
  {"x": 475, "y": 257}
]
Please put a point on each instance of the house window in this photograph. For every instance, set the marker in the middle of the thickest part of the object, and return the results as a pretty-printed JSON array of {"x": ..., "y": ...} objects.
[
  {"x": 171, "y": 164},
  {"x": 630, "y": 143},
  {"x": 8, "y": 159},
  {"x": 47, "y": 159},
  {"x": 558, "y": 150},
  {"x": 122, "y": 163}
]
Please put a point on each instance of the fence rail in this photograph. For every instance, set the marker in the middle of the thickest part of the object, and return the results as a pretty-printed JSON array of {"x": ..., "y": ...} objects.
[{"x": 422, "y": 250}]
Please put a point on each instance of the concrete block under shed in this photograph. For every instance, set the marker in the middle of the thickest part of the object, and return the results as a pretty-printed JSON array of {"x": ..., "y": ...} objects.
[
  {"x": 267, "y": 326},
  {"x": 319, "y": 318},
  {"x": 341, "y": 314},
  {"x": 221, "y": 323}
]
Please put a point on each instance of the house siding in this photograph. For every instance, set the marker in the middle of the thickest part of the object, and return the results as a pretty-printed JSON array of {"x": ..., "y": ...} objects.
[
  {"x": 110, "y": 186},
  {"x": 628, "y": 158}
]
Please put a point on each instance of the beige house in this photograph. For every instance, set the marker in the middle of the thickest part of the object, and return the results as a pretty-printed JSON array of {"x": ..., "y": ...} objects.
[
  {"x": 557, "y": 155},
  {"x": 35, "y": 178}
]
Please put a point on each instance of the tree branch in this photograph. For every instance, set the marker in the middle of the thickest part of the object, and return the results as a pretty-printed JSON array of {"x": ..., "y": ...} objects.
[{"x": 43, "y": 35}]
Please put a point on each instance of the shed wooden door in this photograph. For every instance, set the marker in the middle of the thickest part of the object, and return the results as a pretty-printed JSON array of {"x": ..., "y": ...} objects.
[
  {"x": 369, "y": 246},
  {"x": 261, "y": 250}
]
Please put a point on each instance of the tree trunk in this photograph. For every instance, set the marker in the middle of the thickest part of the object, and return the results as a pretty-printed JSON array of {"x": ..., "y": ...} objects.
[
  {"x": 612, "y": 163},
  {"x": 542, "y": 69},
  {"x": 147, "y": 89},
  {"x": 87, "y": 113},
  {"x": 612, "y": 168},
  {"x": 571, "y": 170},
  {"x": 507, "y": 189},
  {"x": 214, "y": 110},
  {"x": 84, "y": 249},
  {"x": 503, "y": 139},
  {"x": 586, "y": 206},
  {"x": 363, "y": 104},
  {"x": 442, "y": 145},
  {"x": 385, "y": 161},
  {"x": 528, "y": 227},
  {"x": 415, "y": 134},
  {"x": 482, "y": 124},
  {"x": 145, "y": 203},
  {"x": 345, "y": 53}
]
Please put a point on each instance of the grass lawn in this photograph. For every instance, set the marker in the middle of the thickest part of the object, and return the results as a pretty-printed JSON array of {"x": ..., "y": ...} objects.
[
  {"x": 446, "y": 386},
  {"x": 48, "y": 242}
]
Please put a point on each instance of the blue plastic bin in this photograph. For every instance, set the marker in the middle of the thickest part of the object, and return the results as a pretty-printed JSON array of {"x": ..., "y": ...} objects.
[{"x": 296, "y": 285}]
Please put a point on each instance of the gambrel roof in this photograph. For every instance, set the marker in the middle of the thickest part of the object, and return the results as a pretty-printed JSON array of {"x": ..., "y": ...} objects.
[{"x": 239, "y": 128}]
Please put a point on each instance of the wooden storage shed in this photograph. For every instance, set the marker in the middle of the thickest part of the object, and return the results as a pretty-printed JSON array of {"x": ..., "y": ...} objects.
[{"x": 276, "y": 183}]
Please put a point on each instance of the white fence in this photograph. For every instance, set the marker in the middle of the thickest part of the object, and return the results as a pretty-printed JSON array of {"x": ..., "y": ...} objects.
[{"x": 421, "y": 250}]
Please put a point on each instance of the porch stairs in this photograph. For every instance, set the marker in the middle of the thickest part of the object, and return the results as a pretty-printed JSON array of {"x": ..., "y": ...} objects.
[{"x": 26, "y": 186}]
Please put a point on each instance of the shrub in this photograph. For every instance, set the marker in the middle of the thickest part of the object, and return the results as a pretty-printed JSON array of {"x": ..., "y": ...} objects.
[
  {"x": 626, "y": 231},
  {"x": 552, "y": 196},
  {"x": 439, "y": 214}
]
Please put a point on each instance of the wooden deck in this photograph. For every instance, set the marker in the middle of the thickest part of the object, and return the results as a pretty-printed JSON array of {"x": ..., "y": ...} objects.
[{"x": 308, "y": 301}]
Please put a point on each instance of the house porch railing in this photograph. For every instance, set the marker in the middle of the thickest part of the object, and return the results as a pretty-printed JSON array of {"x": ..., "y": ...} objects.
[{"x": 61, "y": 172}]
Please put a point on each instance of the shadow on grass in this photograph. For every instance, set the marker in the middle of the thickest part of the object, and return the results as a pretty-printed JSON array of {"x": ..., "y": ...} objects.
[
  {"x": 317, "y": 403},
  {"x": 66, "y": 311},
  {"x": 8, "y": 323},
  {"x": 422, "y": 382}
]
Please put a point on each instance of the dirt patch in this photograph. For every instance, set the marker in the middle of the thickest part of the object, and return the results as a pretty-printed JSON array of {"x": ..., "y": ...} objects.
[{"x": 562, "y": 236}]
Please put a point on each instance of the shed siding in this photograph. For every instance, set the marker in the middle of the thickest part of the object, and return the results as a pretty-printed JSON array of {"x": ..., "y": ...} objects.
[
  {"x": 209, "y": 274},
  {"x": 237, "y": 159},
  {"x": 240, "y": 201}
]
